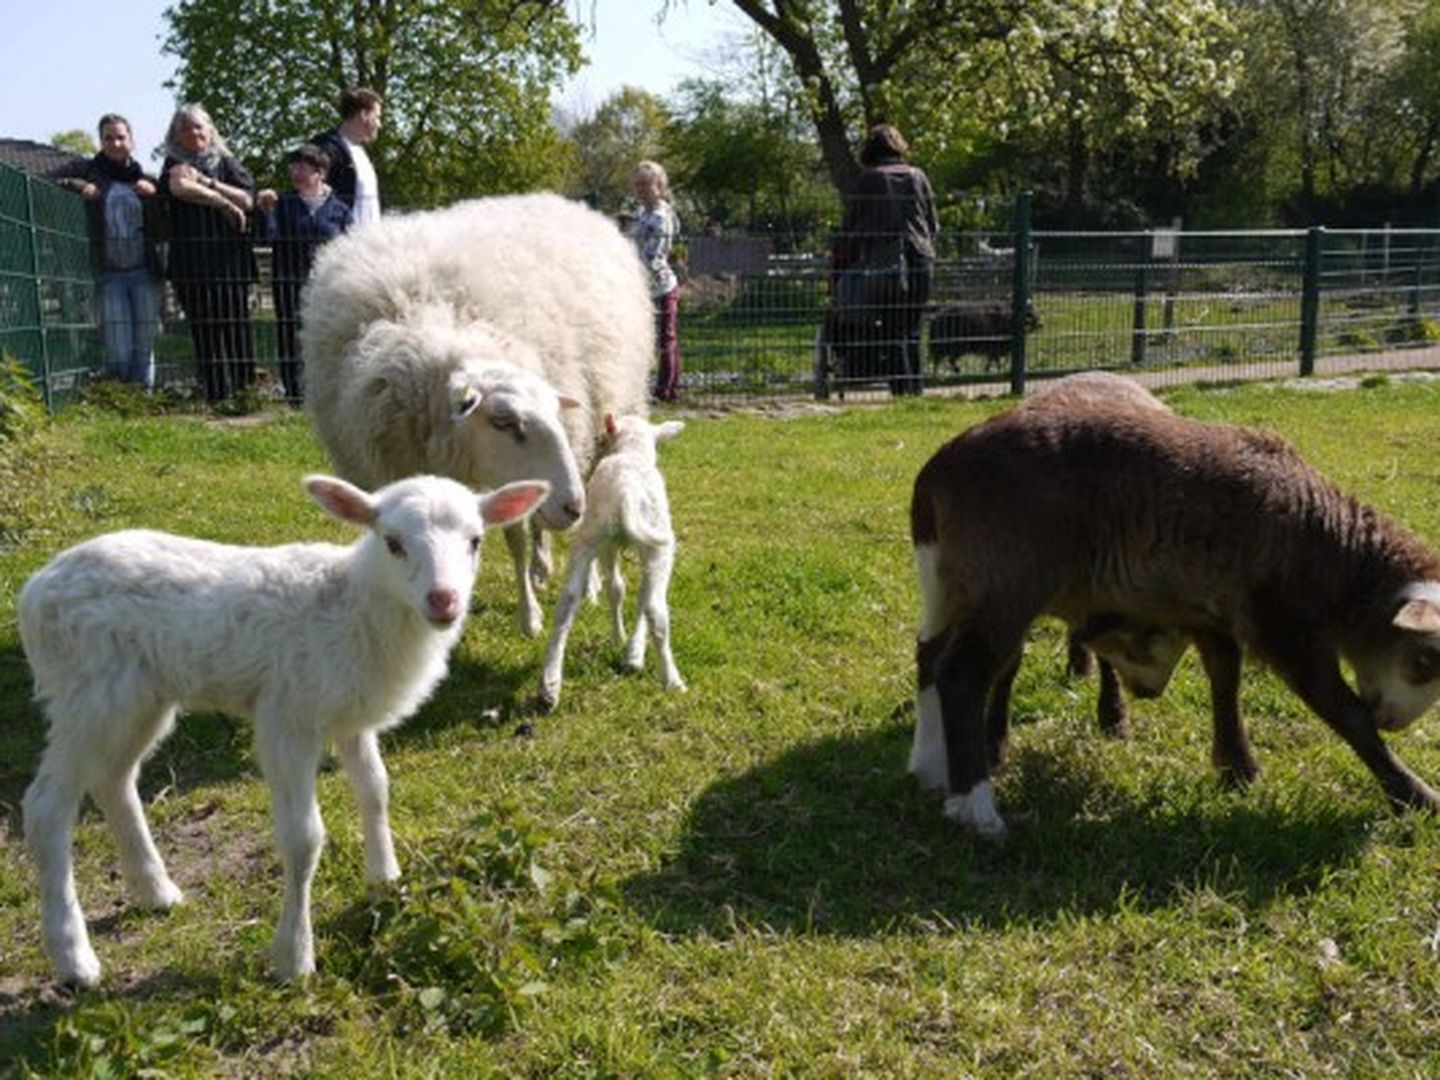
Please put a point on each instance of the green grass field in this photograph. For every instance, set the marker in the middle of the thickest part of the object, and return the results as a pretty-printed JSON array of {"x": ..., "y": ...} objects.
[{"x": 741, "y": 880}]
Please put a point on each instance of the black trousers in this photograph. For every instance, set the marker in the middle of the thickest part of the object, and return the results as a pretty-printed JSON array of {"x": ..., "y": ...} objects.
[
  {"x": 218, "y": 313},
  {"x": 287, "y": 329}
]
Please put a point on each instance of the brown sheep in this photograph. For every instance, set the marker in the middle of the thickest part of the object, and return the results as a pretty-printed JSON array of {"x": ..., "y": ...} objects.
[
  {"x": 1146, "y": 655},
  {"x": 1223, "y": 534}
]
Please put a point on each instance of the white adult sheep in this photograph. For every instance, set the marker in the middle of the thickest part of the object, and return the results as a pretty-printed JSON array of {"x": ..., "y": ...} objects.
[
  {"x": 316, "y": 643},
  {"x": 628, "y": 507},
  {"x": 483, "y": 342}
]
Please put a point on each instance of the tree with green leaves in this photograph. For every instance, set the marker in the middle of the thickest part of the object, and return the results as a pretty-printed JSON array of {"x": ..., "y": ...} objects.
[
  {"x": 1310, "y": 66},
  {"x": 1411, "y": 95},
  {"x": 76, "y": 140},
  {"x": 740, "y": 158},
  {"x": 980, "y": 72},
  {"x": 628, "y": 127},
  {"x": 466, "y": 85}
]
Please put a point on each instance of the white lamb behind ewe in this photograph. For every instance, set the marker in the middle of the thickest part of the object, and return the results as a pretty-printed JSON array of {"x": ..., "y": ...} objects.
[
  {"x": 628, "y": 508},
  {"x": 315, "y": 643},
  {"x": 483, "y": 342}
]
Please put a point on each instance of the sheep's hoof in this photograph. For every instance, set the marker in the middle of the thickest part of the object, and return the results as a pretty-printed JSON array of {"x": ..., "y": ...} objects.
[
  {"x": 547, "y": 699},
  {"x": 1114, "y": 726},
  {"x": 384, "y": 877},
  {"x": 289, "y": 967},
  {"x": 1239, "y": 774},
  {"x": 160, "y": 895},
  {"x": 976, "y": 809},
  {"x": 81, "y": 972}
]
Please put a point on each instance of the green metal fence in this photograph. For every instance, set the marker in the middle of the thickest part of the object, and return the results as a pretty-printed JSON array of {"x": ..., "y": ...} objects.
[
  {"x": 47, "y": 284},
  {"x": 1170, "y": 305}
]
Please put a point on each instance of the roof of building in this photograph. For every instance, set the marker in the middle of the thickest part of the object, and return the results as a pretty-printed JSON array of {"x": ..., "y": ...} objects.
[{"x": 38, "y": 159}]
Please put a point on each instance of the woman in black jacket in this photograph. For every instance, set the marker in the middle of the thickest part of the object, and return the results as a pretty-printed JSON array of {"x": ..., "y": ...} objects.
[
  {"x": 886, "y": 247},
  {"x": 212, "y": 265}
]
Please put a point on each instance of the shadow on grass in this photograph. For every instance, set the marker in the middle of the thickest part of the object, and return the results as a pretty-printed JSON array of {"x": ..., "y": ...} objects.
[
  {"x": 833, "y": 837},
  {"x": 475, "y": 695},
  {"x": 212, "y": 748},
  {"x": 30, "y": 1019}
]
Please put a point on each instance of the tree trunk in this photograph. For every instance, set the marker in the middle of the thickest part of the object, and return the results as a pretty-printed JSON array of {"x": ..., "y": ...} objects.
[{"x": 787, "y": 29}]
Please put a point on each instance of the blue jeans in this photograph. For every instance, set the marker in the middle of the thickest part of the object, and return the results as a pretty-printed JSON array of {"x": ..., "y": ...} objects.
[{"x": 129, "y": 324}]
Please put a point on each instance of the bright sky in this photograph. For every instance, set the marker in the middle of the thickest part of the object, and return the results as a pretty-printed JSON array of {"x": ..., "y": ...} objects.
[{"x": 66, "y": 62}]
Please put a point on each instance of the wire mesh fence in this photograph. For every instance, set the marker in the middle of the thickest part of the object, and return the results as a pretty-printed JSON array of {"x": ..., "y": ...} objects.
[
  {"x": 763, "y": 312},
  {"x": 47, "y": 284}
]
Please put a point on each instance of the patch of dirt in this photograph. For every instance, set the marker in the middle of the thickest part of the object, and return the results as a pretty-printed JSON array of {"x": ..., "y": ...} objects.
[
  {"x": 1337, "y": 383},
  {"x": 202, "y": 846},
  {"x": 774, "y": 410}
]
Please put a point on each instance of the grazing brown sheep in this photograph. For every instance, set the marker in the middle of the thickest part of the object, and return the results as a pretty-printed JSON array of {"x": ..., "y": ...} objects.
[{"x": 1223, "y": 534}]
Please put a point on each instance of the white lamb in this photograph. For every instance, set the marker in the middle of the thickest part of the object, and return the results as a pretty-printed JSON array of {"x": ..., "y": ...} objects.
[
  {"x": 316, "y": 643},
  {"x": 628, "y": 508},
  {"x": 483, "y": 342}
]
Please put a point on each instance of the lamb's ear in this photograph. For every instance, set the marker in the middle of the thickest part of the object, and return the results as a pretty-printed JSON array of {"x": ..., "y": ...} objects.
[
  {"x": 668, "y": 430},
  {"x": 568, "y": 402},
  {"x": 464, "y": 397},
  {"x": 513, "y": 502},
  {"x": 342, "y": 500},
  {"x": 1419, "y": 616},
  {"x": 610, "y": 424}
]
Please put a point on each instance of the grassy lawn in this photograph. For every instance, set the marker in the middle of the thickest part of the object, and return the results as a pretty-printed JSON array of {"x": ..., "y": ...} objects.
[{"x": 741, "y": 880}]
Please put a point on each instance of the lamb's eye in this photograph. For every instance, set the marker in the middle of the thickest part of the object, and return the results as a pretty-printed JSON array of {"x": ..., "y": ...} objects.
[
  {"x": 395, "y": 547},
  {"x": 474, "y": 545}
]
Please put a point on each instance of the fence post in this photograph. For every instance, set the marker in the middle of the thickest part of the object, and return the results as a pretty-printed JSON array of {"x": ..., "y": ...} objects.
[
  {"x": 1020, "y": 293},
  {"x": 1310, "y": 298},
  {"x": 1142, "y": 287}
]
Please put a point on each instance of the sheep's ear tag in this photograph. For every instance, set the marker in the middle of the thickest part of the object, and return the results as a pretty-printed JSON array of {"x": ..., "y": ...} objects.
[
  {"x": 469, "y": 401},
  {"x": 1419, "y": 616},
  {"x": 610, "y": 424}
]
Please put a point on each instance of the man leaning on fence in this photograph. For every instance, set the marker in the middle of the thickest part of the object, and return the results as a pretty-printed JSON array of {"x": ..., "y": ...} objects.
[{"x": 129, "y": 223}]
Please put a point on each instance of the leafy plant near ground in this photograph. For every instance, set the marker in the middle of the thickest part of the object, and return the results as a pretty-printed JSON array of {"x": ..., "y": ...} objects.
[
  {"x": 21, "y": 410},
  {"x": 474, "y": 935},
  {"x": 741, "y": 880}
]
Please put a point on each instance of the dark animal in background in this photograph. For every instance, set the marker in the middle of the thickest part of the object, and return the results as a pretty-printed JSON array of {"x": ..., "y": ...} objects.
[{"x": 978, "y": 328}]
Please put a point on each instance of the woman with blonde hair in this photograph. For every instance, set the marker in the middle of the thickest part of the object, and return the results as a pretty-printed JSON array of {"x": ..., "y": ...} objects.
[
  {"x": 654, "y": 230},
  {"x": 211, "y": 262}
]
